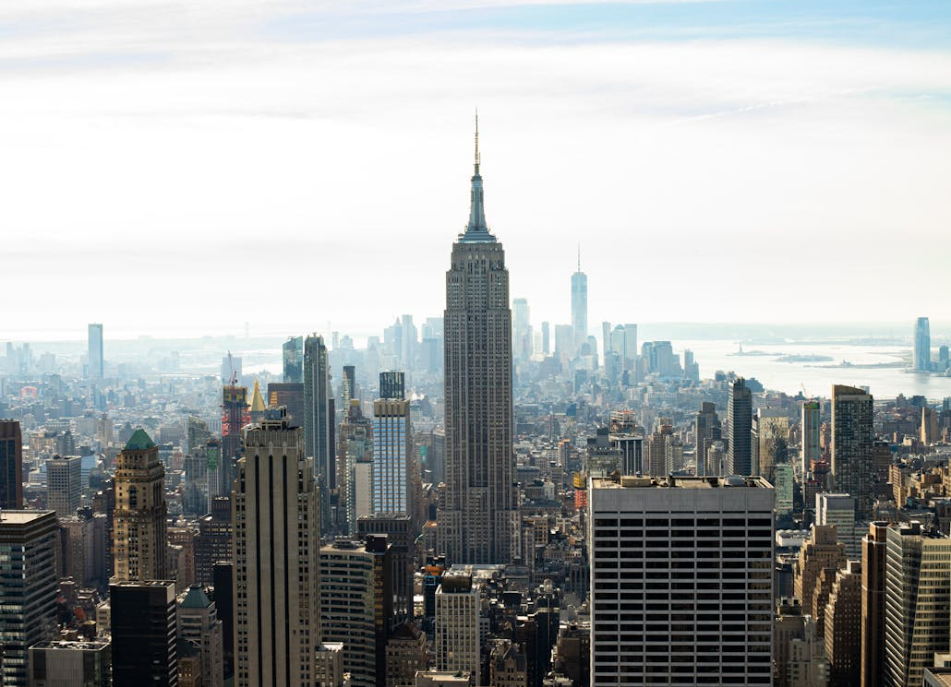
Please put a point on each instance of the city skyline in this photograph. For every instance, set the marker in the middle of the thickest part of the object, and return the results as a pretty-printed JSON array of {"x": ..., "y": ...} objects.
[{"x": 622, "y": 149}]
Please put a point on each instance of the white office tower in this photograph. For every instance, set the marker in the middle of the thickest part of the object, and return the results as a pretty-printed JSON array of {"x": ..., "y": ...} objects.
[
  {"x": 681, "y": 583},
  {"x": 839, "y": 510},
  {"x": 276, "y": 529},
  {"x": 457, "y": 625}
]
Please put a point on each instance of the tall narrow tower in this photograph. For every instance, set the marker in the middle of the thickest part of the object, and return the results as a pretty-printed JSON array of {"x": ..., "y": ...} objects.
[
  {"x": 579, "y": 303},
  {"x": 479, "y": 522},
  {"x": 922, "y": 353},
  {"x": 275, "y": 515},
  {"x": 140, "y": 527}
]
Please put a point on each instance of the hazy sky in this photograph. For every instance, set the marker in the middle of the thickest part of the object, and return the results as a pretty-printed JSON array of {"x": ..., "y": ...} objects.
[{"x": 170, "y": 167}]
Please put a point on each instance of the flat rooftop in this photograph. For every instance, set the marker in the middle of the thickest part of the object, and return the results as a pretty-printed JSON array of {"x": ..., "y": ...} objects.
[
  {"x": 728, "y": 482},
  {"x": 21, "y": 517}
]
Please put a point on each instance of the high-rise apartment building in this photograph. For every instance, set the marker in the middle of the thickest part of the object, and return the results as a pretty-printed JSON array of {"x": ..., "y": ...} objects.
[
  {"x": 579, "y": 303},
  {"x": 709, "y": 430},
  {"x": 739, "y": 455},
  {"x": 839, "y": 510},
  {"x": 457, "y": 624},
  {"x": 11, "y": 465},
  {"x": 64, "y": 486},
  {"x": 874, "y": 547},
  {"x": 139, "y": 525},
  {"x": 355, "y": 461},
  {"x": 317, "y": 416},
  {"x": 144, "y": 633},
  {"x": 821, "y": 551},
  {"x": 917, "y": 598},
  {"x": 393, "y": 464},
  {"x": 275, "y": 514},
  {"x": 843, "y": 621},
  {"x": 479, "y": 521},
  {"x": 810, "y": 427},
  {"x": 198, "y": 625},
  {"x": 293, "y": 357},
  {"x": 356, "y": 605},
  {"x": 853, "y": 439},
  {"x": 922, "y": 352},
  {"x": 681, "y": 583},
  {"x": 96, "y": 366},
  {"x": 28, "y": 589}
]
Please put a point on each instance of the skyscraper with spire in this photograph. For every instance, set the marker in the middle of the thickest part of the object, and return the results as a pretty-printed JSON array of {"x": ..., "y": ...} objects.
[
  {"x": 579, "y": 303},
  {"x": 479, "y": 521}
]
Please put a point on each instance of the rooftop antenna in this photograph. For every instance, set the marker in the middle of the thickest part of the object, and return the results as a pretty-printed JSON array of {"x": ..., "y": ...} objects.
[
  {"x": 579, "y": 257},
  {"x": 478, "y": 159}
]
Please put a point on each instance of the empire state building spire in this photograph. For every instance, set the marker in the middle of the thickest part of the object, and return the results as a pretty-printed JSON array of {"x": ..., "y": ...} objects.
[
  {"x": 478, "y": 521},
  {"x": 477, "y": 231}
]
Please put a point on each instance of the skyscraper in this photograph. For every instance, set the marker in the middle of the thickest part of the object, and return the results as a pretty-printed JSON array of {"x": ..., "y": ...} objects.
[
  {"x": 811, "y": 426},
  {"x": 293, "y": 354},
  {"x": 355, "y": 456},
  {"x": 917, "y": 574},
  {"x": 317, "y": 417},
  {"x": 523, "y": 342},
  {"x": 681, "y": 622},
  {"x": 852, "y": 446},
  {"x": 873, "y": 604},
  {"x": 144, "y": 634},
  {"x": 28, "y": 588},
  {"x": 139, "y": 521},
  {"x": 11, "y": 465},
  {"x": 739, "y": 456},
  {"x": 275, "y": 513},
  {"x": 198, "y": 625},
  {"x": 709, "y": 430},
  {"x": 457, "y": 624},
  {"x": 356, "y": 604},
  {"x": 64, "y": 485},
  {"x": 393, "y": 464},
  {"x": 95, "y": 351},
  {"x": 579, "y": 303},
  {"x": 922, "y": 353},
  {"x": 479, "y": 522}
]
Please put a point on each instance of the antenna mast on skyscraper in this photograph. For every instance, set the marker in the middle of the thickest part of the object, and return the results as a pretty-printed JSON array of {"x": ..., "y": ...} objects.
[{"x": 477, "y": 158}]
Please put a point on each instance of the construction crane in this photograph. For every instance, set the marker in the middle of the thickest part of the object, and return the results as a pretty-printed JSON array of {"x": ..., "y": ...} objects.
[{"x": 804, "y": 392}]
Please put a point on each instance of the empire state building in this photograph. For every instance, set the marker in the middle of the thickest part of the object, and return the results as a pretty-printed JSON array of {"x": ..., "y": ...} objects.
[{"x": 479, "y": 520}]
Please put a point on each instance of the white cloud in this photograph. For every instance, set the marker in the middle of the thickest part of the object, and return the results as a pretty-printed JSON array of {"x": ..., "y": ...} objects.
[{"x": 709, "y": 180}]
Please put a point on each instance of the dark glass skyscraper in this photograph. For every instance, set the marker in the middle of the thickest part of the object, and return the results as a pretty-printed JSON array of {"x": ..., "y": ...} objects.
[
  {"x": 293, "y": 352},
  {"x": 479, "y": 521},
  {"x": 11, "y": 465},
  {"x": 739, "y": 456},
  {"x": 319, "y": 423},
  {"x": 853, "y": 436}
]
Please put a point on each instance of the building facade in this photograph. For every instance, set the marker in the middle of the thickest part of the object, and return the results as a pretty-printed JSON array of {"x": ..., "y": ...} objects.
[
  {"x": 739, "y": 455},
  {"x": 11, "y": 465},
  {"x": 140, "y": 528},
  {"x": 144, "y": 633},
  {"x": 28, "y": 589},
  {"x": 853, "y": 439},
  {"x": 479, "y": 522},
  {"x": 701, "y": 611},
  {"x": 276, "y": 544}
]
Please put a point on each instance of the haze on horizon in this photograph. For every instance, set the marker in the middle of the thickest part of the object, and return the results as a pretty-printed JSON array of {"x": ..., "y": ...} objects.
[{"x": 188, "y": 168}]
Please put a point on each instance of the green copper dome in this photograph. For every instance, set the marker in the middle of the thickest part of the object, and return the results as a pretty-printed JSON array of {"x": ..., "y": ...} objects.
[{"x": 139, "y": 441}]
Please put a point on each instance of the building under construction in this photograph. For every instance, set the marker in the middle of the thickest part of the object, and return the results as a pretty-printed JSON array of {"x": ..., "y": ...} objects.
[{"x": 235, "y": 414}]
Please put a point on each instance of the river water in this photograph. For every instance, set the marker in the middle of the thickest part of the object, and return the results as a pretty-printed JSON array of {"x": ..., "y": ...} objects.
[{"x": 818, "y": 377}]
